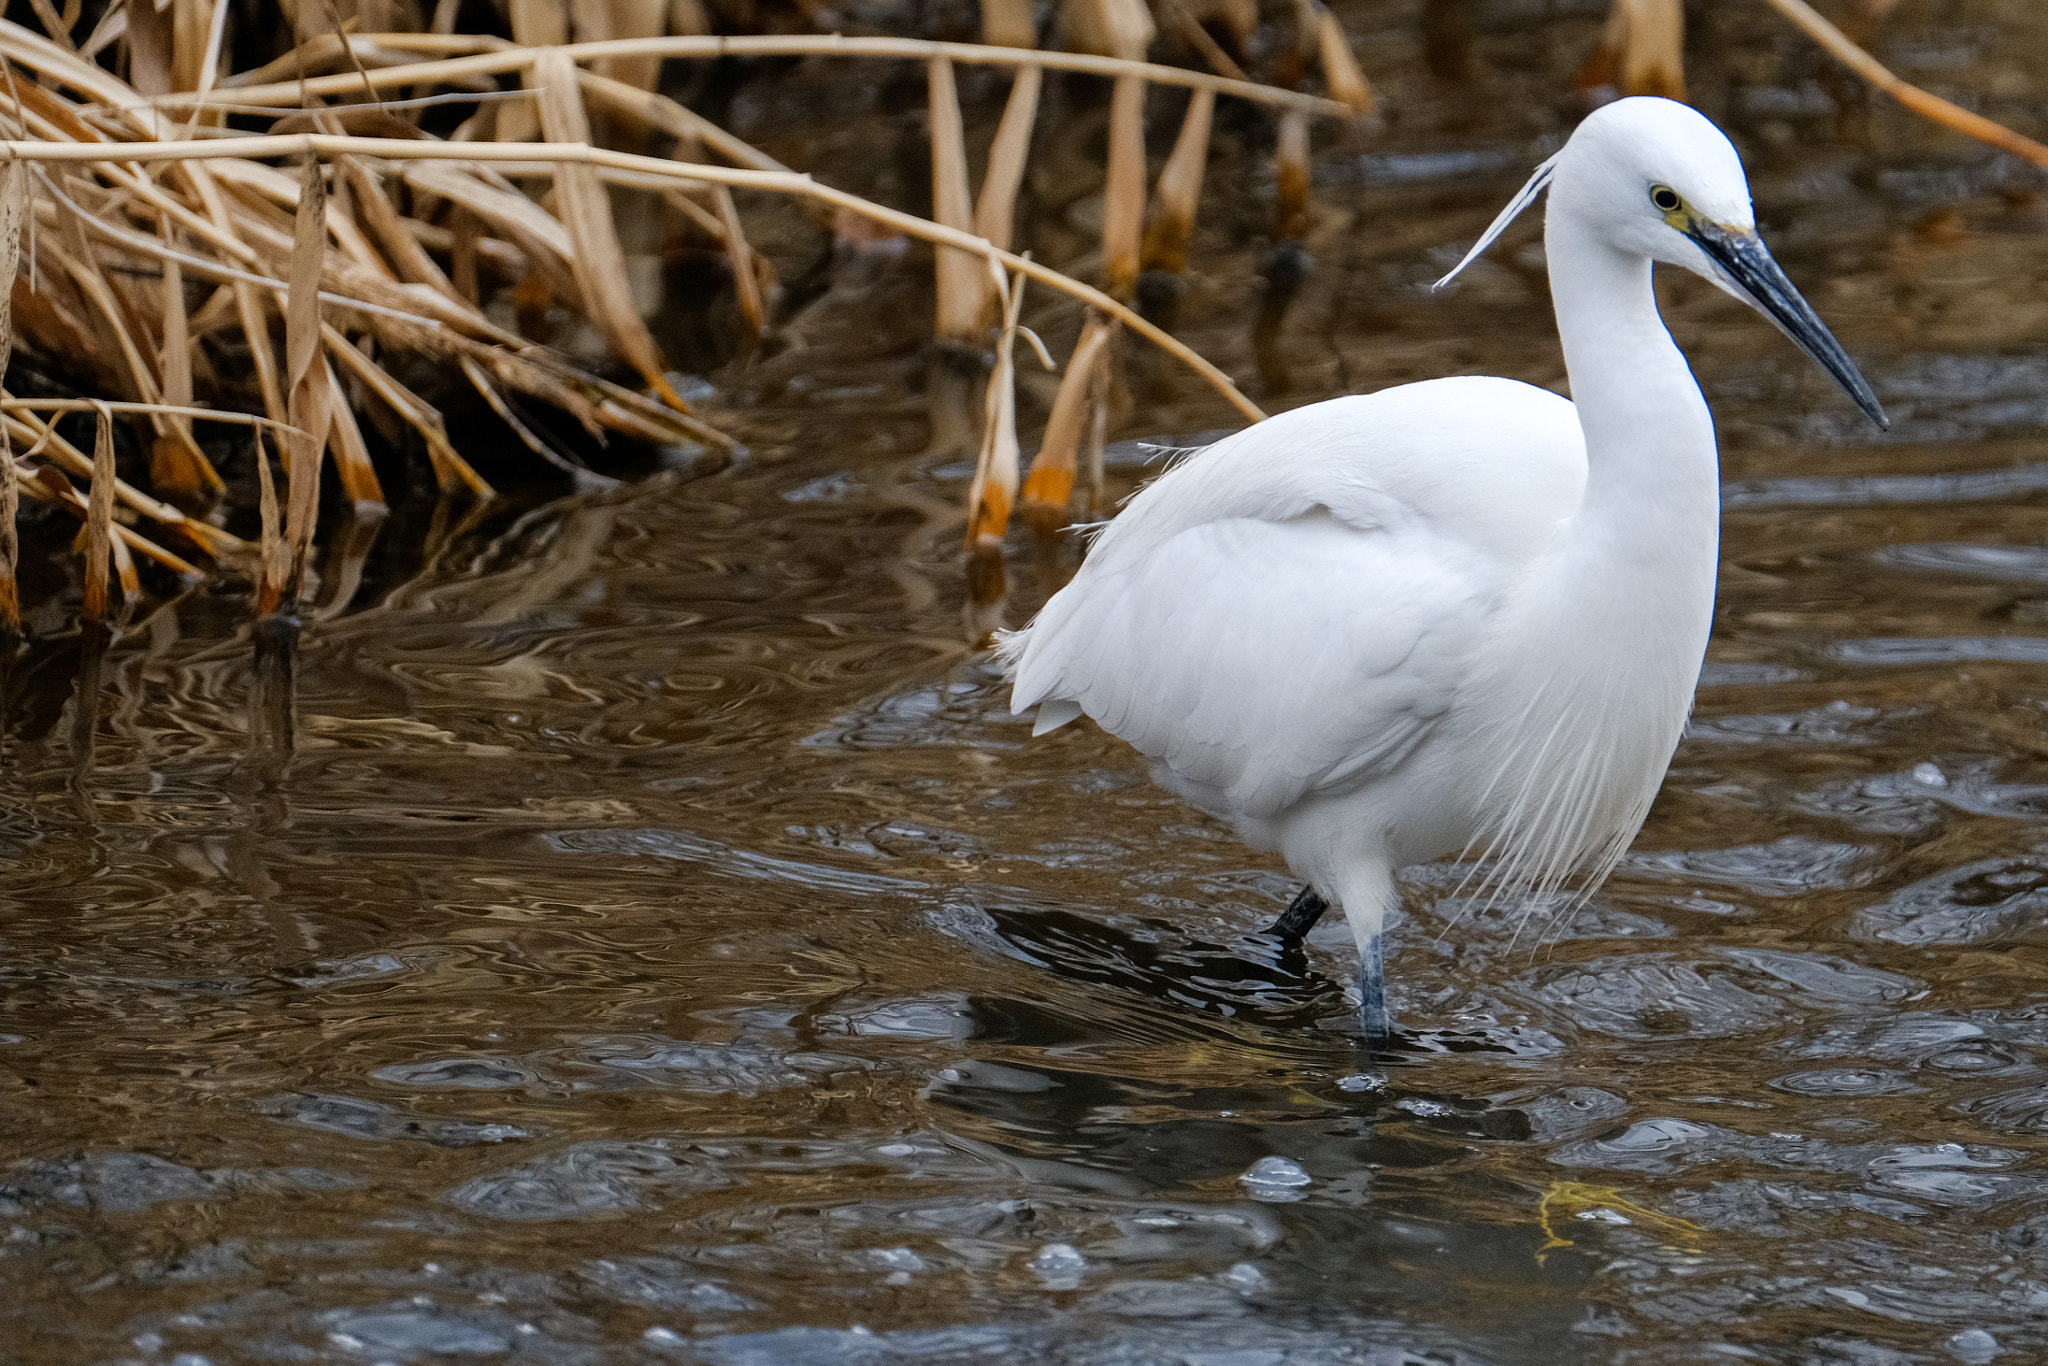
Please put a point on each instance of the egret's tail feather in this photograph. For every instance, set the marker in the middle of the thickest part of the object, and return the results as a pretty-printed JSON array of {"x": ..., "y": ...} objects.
[
  {"x": 1009, "y": 649},
  {"x": 1053, "y": 713}
]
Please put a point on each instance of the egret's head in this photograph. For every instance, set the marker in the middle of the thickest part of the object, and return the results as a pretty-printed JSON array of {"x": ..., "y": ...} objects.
[{"x": 1654, "y": 178}]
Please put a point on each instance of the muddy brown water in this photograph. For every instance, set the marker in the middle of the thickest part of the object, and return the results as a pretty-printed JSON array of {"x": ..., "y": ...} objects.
[{"x": 664, "y": 945}]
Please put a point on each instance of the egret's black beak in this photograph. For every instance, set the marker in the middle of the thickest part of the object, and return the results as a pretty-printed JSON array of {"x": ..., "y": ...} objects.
[{"x": 1747, "y": 264}]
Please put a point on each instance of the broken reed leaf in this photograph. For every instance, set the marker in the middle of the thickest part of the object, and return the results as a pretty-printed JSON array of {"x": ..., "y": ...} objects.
[
  {"x": 996, "y": 209},
  {"x": 962, "y": 307},
  {"x": 598, "y": 263},
  {"x": 308, "y": 257},
  {"x": 1641, "y": 52},
  {"x": 1290, "y": 175},
  {"x": 1179, "y": 189},
  {"x": 1123, "y": 206},
  {"x": 124, "y": 570},
  {"x": 272, "y": 561},
  {"x": 1049, "y": 490},
  {"x": 995, "y": 478},
  {"x": 351, "y": 457},
  {"x": 176, "y": 464},
  {"x": 746, "y": 279},
  {"x": 1340, "y": 65},
  {"x": 995, "y": 474},
  {"x": 99, "y": 521},
  {"x": 177, "y": 347},
  {"x": 538, "y": 23},
  {"x": 306, "y": 390}
]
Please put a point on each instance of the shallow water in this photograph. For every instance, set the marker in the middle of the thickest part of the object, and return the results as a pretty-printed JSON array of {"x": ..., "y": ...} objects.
[{"x": 665, "y": 946}]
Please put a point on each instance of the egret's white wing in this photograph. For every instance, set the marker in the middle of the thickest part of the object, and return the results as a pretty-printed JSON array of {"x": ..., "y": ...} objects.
[{"x": 1261, "y": 660}]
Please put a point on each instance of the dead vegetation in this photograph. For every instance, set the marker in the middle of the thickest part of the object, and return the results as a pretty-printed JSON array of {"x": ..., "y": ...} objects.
[{"x": 291, "y": 260}]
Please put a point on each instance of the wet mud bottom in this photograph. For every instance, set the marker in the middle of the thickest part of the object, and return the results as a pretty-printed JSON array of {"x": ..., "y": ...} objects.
[{"x": 664, "y": 945}]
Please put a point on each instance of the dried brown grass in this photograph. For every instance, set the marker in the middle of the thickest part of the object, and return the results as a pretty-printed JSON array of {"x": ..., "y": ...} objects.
[
  {"x": 156, "y": 230},
  {"x": 144, "y": 226}
]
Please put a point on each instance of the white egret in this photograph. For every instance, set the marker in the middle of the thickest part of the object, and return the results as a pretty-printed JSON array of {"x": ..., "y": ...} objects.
[{"x": 1459, "y": 615}]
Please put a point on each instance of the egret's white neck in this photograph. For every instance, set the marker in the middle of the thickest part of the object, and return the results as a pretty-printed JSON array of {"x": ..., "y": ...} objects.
[{"x": 1649, "y": 438}]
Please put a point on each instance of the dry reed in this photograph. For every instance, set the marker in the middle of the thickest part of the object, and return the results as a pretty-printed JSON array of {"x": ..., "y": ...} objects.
[
  {"x": 125, "y": 182},
  {"x": 1930, "y": 106},
  {"x": 1641, "y": 50},
  {"x": 144, "y": 232}
]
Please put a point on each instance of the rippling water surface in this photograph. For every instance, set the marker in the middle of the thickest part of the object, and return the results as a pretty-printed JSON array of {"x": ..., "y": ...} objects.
[{"x": 666, "y": 947}]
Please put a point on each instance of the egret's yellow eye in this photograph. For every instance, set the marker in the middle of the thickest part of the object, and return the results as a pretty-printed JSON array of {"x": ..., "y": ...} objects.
[{"x": 1665, "y": 198}]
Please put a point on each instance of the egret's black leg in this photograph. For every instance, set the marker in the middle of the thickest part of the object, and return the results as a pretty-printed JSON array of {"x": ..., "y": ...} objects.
[
  {"x": 1372, "y": 995},
  {"x": 1299, "y": 918}
]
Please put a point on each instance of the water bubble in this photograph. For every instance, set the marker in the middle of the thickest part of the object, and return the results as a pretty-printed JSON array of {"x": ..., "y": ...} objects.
[
  {"x": 1060, "y": 1265},
  {"x": 1975, "y": 1346},
  {"x": 1929, "y": 775},
  {"x": 1362, "y": 1081},
  {"x": 1275, "y": 1179},
  {"x": 1247, "y": 1277}
]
